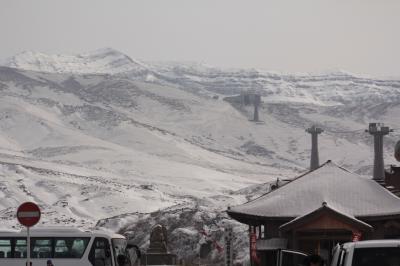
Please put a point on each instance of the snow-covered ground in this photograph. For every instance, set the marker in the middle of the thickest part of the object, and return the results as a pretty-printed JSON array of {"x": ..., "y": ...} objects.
[{"x": 100, "y": 135}]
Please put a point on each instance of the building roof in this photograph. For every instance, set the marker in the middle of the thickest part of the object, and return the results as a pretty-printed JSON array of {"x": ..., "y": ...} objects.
[
  {"x": 325, "y": 208},
  {"x": 344, "y": 191}
]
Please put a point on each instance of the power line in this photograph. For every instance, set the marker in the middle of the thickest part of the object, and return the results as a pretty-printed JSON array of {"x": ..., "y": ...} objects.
[
  {"x": 354, "y": 131},
  {"x": 336, "y": 132},
  {"x": 344, "y": 132}
]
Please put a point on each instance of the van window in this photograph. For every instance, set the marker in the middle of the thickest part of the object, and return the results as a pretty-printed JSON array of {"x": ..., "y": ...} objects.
[
  {"x": 41, "y": 248},
  {"x": 385, "y": 256},
  {"x": 100, "y": 254},
  {"x": 5, "y": 248},
  {"x": 20, "y": 250},
  {"x": 70, "y": 247}
]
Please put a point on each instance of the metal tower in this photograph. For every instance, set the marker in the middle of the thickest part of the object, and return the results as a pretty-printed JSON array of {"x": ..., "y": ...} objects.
[
  {"x": 257, "y": 101},
  {"x": 314, "y": 131},
  {"x": 378, "y": 130}
]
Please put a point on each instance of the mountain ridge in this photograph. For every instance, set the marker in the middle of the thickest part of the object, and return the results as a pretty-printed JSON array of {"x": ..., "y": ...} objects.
[
  {"x": 101, "y": 61},
  {"x": 120, "y": 62},
  {"x": 120, "y": 149}
]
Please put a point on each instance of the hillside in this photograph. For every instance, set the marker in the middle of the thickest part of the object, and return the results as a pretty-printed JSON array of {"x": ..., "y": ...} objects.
[{"x": 101, "y": 135}]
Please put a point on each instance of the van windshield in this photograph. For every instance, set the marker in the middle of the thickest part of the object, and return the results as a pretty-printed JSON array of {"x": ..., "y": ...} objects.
[{"x": 385, "y": 256}]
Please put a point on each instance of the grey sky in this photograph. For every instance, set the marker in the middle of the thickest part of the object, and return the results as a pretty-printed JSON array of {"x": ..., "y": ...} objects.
[{"x": 291, "y": 36}]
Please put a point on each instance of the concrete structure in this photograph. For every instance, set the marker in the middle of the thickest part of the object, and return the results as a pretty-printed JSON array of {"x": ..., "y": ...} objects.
[
  {"x": 378, "y": 130},
  {"x": 314, "y": 131},
  {"x": 246, "y": 99}
]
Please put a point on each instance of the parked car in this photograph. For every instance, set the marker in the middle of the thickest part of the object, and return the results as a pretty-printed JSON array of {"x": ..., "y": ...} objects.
[
  {"x": 281, "y": 257},
  {"x": 367, "y": 253}
]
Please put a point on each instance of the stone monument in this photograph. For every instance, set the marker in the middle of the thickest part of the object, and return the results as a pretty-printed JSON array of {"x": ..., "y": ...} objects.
[{"x": 157, "y": 253}]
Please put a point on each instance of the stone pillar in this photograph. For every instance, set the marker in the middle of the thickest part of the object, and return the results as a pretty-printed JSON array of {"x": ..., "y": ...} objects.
[{"x": 378, "y": 130}]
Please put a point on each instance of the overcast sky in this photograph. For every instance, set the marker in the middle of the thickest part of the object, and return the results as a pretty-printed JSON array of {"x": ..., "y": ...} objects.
[{"x": 362, "y": 36}]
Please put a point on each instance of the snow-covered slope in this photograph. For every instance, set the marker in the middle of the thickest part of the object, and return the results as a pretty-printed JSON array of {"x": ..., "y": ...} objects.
[
  {"x": 100, "y": 135},
  {"x": 113, "y": 145}
]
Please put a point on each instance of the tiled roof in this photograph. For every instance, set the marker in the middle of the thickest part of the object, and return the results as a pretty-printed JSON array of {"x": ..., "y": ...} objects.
[{"x": 347, "y": 192}]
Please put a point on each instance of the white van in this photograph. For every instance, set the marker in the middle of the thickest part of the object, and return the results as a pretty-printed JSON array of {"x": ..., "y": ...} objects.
[
  {"x": 64, "y": 246},
  {"x": 367, "y": 253}
]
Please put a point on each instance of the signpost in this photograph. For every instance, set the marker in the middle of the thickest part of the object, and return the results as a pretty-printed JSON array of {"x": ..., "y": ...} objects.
[
  {"x": 228, "y": 246},
  {"x": 28, "y": 214}
]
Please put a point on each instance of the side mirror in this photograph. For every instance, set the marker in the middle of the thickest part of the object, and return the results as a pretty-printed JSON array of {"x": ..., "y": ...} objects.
[{"x": 121, "y": 260}]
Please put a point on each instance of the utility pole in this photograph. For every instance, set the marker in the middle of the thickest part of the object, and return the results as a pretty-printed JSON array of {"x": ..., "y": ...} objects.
[
  {"x": 378, "y": 130},
  {"x": 314, "y": 131}
]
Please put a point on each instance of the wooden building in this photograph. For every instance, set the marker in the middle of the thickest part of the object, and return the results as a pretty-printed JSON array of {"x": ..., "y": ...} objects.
[{"x": 319, "y": 209}]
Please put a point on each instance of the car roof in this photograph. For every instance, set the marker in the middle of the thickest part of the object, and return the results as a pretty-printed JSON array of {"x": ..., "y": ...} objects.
[
  {"x": 373, "y": 243},
  {"x": 52, "y": 231}
]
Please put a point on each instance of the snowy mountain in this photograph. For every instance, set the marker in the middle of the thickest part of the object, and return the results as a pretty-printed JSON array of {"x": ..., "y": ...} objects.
[
  {"x": 114, "y": 145},
  {"x": 102, "y": 61},
  {"x": 100, "y": 135}
]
